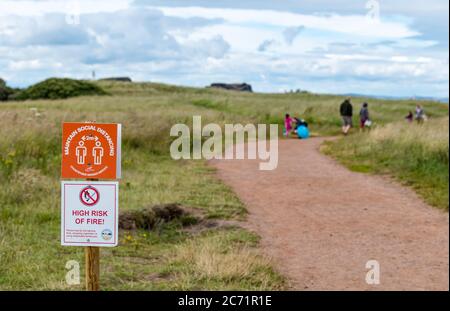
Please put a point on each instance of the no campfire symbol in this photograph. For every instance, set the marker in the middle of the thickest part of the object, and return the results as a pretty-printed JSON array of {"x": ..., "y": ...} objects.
[{"x": 89, "y": 196}]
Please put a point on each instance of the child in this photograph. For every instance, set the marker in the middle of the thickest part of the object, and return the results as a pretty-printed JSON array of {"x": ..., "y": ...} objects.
[
  {"x": 364, "y": 116},
  {"x": 410, "y": 117},
  {"x": 288, "y": 125},
  {"x": 420, "y": 114}
]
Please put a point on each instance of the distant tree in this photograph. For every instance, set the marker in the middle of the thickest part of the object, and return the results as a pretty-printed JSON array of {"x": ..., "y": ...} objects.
[{"x": 4, "y": 90}]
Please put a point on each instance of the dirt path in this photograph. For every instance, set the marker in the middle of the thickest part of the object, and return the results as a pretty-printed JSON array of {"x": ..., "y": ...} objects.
[{"x": 321, "y": 223}]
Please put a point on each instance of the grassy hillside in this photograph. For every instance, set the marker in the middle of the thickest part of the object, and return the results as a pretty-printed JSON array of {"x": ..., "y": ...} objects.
[
  {"x": 322, "y": 111},
  {"x": 169, "y": 257}
]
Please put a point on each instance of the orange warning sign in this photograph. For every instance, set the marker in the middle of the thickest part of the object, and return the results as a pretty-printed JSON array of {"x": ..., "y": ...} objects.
[{"x": 91, "y": 150}]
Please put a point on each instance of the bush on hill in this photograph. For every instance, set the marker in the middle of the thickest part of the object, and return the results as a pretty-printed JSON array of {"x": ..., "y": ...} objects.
[
  {"x": 56, "y": 88},
  {"x": 5, "y": 91}
]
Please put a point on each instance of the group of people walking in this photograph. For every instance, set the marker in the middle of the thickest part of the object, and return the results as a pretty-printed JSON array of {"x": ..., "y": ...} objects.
[
  {"x": 293, "y": 124},
  {"x": 346, "y": 111}
]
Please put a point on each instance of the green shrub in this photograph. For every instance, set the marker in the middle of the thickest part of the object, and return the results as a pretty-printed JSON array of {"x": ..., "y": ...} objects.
[
  {"x": 56, "y": 88},
  {"x": 5, "y": 91},
  {"x": 4, "y": 94}
]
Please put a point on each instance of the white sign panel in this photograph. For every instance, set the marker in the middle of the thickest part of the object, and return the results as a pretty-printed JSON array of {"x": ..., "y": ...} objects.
[{"x": 89, "y": 213}]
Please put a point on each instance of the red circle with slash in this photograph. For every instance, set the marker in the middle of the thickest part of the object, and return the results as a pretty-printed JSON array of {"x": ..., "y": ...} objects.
[{"x": 89, "y": 196}]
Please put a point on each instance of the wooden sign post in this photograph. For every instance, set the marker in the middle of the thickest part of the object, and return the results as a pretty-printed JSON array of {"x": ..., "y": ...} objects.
[
  {"x": 89, "y": 208},
  {"x": 92, "y": 259},
  {"x": 92, "y": 264}
]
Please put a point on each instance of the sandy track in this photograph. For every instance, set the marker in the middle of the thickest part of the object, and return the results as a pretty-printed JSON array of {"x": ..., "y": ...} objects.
[{"x": 321, "y": 223}]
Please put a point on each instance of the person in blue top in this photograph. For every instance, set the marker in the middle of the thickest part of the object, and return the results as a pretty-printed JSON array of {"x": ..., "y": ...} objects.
[{"x": 364, "y": 116}]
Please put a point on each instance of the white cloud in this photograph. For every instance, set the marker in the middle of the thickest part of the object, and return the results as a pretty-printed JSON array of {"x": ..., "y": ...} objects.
[
  {"x": 356, "y": 25},
  {"x": 272, "y": 49},
  {"x": 33, "y": 64},
  {"x": 39, "y": 8},
  {"x": 25, "y": 64},
  {"x": 265, "y": 45},
  {"x": 291, "y": 33}
]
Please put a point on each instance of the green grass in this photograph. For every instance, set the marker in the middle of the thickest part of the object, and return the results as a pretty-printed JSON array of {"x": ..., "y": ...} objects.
[
  {"x": 417, "y": 155},
  {"x": 30, "y": 254},
  {"x": 31, "y": 257},
  {"x": 167, "y": 258}
]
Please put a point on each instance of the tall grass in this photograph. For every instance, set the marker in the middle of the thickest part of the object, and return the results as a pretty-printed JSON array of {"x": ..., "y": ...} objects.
[
  {"x": 416, "y": 154},
  {"x": 214, "y": 262}
]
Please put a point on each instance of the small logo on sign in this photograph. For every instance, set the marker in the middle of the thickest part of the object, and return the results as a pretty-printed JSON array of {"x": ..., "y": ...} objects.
[
  {"x": 89, "y": 196},
  {"x": 107, "y": 234}
]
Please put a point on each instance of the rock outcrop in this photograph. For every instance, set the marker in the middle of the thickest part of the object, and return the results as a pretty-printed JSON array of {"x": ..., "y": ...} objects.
[
  {"x": 120, "y": 79},
  {"x": 242, "y": 87}
]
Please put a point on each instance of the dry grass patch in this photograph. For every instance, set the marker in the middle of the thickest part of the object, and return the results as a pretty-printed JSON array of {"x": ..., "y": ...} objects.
[{"x": 223, "y": 258}]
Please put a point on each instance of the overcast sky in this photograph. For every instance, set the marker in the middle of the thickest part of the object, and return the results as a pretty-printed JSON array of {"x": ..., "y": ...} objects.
[{"x": 385, "y": 47}]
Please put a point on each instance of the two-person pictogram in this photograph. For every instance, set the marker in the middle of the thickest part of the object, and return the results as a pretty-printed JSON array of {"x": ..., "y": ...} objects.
[
  {"x": 81, "y": 152},
  {"x": 91, "y": 150}
]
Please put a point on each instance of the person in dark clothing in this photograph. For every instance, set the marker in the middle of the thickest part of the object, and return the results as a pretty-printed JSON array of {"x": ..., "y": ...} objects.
[
  {"x": 300, "y": 122},
  {"x": 410, "y": 117},
  {"x": 347, "y": 115}
]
